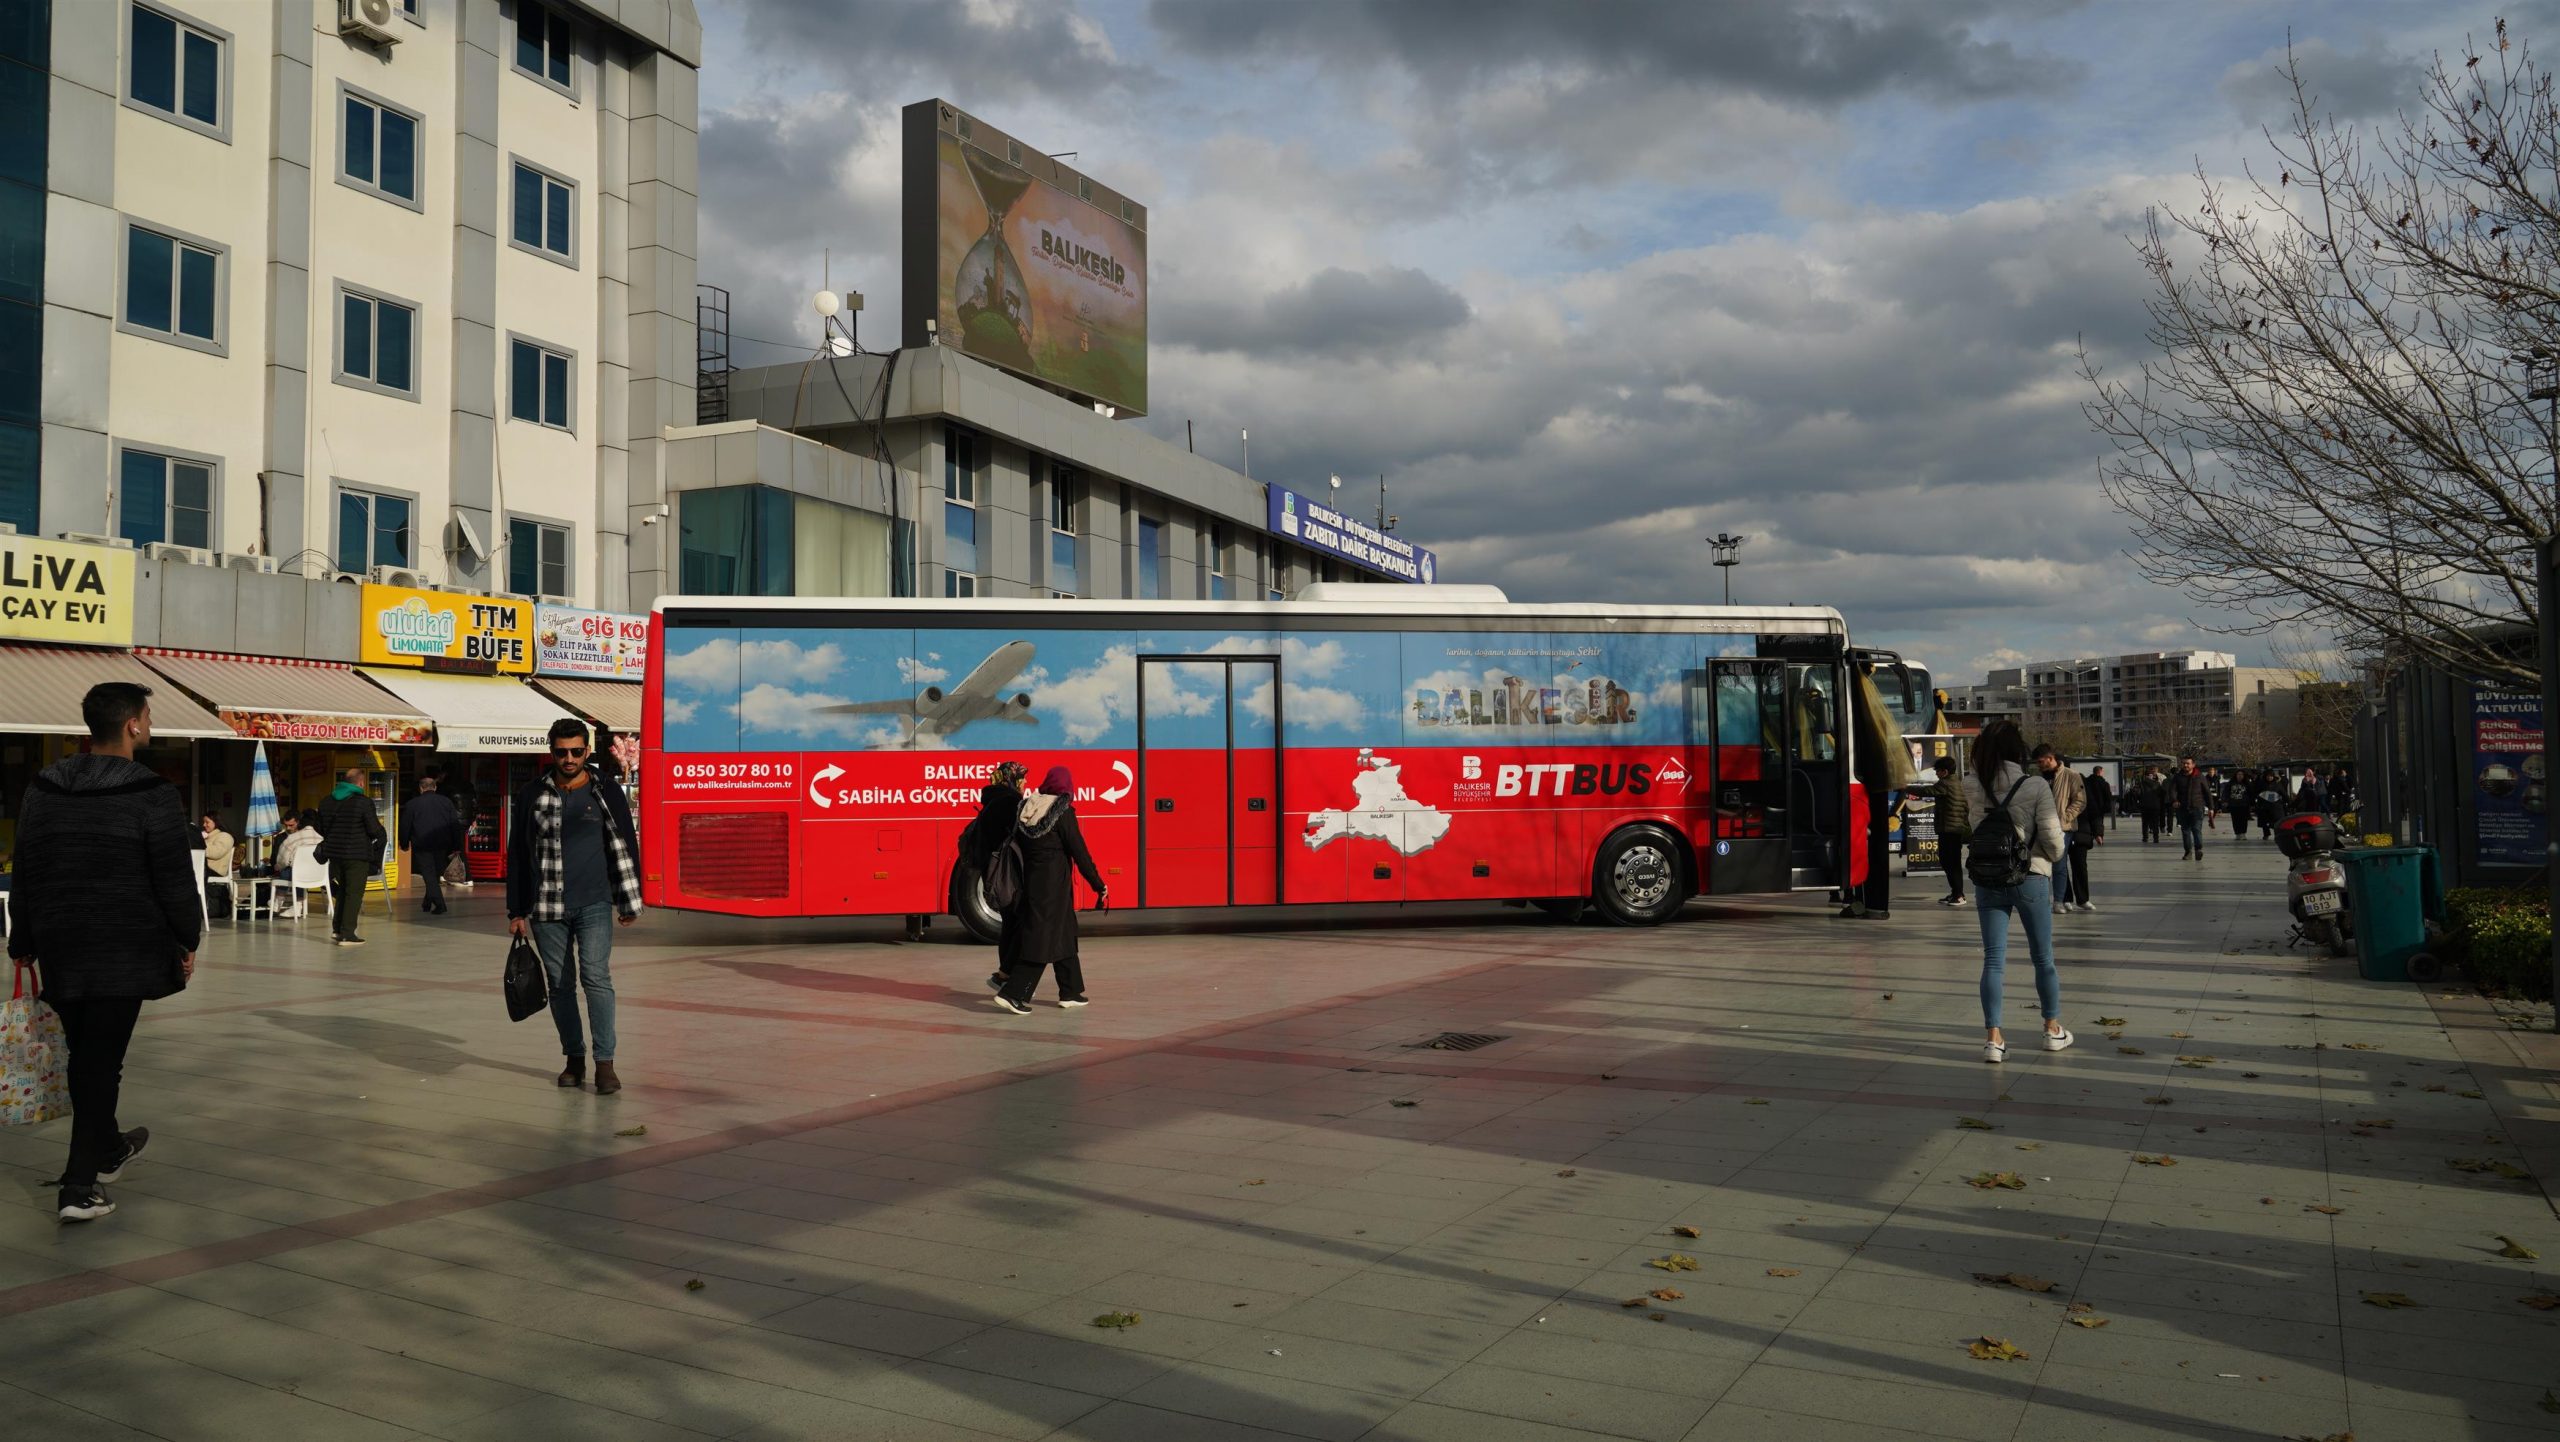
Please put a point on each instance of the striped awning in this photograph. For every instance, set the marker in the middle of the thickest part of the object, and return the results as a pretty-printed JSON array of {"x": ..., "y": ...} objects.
[
  {"x": 267, "y": 699},
  {"x": 485, "y": 714},
  {"x": 603, "y": 703},
  {"x": 41, "y": 687}
]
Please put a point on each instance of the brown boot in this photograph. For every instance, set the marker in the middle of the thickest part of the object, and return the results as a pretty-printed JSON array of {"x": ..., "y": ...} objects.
[
  {"x": 606, "y": 1082},
  {"x": 575, "y": 1073}
]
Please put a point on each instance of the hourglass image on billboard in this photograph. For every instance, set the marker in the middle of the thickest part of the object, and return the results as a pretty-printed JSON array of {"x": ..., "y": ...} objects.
[{"x": 1021, "y": 262}]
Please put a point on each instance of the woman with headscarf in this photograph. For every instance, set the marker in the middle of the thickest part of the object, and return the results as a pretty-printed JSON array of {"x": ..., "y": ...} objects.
[
  {"x": 1040, "y": 930},
  {"x": 999, "y": 801}
]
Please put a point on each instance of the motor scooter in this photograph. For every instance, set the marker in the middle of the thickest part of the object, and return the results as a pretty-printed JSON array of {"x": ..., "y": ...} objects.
[{"x": 2315, "y": 883}]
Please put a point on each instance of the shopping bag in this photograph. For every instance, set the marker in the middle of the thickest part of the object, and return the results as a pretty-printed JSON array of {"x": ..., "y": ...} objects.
[
  {"x": 34, "y": 1087},
  {"x": 456, "y": 872},
  {"x": 526, "y": 993}
]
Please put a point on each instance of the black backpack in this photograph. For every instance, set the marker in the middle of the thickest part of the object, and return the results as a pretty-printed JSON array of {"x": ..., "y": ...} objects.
[
  {"x": 1998, "y": 854},
  {"x": 1001, "y": 881}
]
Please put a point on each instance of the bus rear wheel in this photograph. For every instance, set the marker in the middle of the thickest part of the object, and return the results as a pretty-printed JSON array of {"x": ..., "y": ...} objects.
[
  {"x": 1637, "y": 881},
  {"x": 969, "y": 905}
]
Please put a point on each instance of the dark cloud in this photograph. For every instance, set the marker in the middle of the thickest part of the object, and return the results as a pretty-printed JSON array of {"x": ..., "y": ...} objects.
[
  {"x": 2365, "y": 84},
  {"x": 1041, "y": 49},
  {"x": 1824, "y": 53},
  {"x": 780, "y": 191},
  {"x": 1334, "y": 312}
]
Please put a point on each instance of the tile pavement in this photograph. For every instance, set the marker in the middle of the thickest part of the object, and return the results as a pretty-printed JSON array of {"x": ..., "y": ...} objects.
[{"x": 867, "y": 1205}]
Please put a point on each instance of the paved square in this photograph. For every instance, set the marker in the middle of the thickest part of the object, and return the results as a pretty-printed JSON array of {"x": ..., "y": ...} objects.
[{"x": 841, "y": 1197}]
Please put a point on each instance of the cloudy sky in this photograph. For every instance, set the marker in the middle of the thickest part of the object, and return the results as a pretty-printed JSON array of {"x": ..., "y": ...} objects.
[{"x": 1591, "y": 281}]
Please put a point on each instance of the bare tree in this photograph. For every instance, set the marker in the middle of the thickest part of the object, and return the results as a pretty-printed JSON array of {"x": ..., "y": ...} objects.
[{"x": 2342, "y": 430}]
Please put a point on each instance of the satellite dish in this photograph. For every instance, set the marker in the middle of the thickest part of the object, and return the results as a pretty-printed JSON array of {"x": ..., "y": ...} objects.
[{"x": 827, "y": 303}]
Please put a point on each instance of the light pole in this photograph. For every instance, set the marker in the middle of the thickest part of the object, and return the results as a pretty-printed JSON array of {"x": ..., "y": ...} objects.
[{"x": 1726, "y": 545}]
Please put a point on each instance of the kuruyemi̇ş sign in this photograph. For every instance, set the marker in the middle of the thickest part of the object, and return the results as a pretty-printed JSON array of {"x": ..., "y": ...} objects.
[{"x": 444, "y": 631}]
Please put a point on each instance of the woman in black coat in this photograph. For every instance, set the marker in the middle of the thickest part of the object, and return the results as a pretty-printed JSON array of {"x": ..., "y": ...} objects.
[
  {"x": 999, "y": 801},
  {"x": 1040, "y": 930}
]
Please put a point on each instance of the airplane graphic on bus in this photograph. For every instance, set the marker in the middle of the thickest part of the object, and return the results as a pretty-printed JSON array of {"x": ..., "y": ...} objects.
[{"x": 936, "y": 712}]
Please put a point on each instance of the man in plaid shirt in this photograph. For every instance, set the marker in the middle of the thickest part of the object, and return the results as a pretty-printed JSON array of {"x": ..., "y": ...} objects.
[{"x": 573, "y": 872}]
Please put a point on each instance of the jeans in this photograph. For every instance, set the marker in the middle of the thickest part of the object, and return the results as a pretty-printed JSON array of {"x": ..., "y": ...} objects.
[
  {"x": 349, "y": 878},
  {"x": 430, "y": 865},
  {"x": 2032, "y": 899},
  {"x": 2190, "y": 833},
  {"x": 96, "y": 1031},
  {"x": 589, "y": 930}
]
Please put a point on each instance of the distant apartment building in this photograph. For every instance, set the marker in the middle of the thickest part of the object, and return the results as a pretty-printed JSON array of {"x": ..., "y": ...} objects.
[
  {"x": 2002, "y": 695},
  {"x": 2163, "y": 702},
  {"x": 393, "y": 289}
]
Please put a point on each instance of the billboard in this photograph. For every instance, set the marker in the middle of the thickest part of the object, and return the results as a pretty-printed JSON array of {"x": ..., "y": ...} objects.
[
  {"x": 445, "y": 631},
  {"x": 1327, "y": 531},
  {"x": 1021, "y": 262},
  {"x": 2510, "y": 796}
]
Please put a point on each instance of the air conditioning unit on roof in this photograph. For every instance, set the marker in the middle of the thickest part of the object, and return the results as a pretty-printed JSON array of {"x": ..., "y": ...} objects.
[
  {"x": 243, "y": 561},
  {"x": 183, "y": 555},
  {"x": 369, "y": 20},
  {"x": 397, "y": 576},
  {"x": 86, "y": 539}
]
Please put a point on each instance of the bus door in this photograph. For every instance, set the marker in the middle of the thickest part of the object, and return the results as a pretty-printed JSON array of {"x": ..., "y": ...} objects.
[
  {"x": 1208, "y": 781},
  {"x": 1775, "y": 769}
]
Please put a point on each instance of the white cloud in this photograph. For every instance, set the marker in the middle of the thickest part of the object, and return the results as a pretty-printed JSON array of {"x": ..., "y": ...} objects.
[
  {"x": 917, "y": 673},
  {"x": 711, "y": 666},
  {"x": 1087, "y": 702},
  {"x": 677, "y": 711},
  {"x": 771, "y": 661}
]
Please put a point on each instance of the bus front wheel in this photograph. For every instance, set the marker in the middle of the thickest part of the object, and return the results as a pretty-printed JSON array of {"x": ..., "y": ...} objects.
[
  {"x": 1637, "y": 881},
  {"x": 969, "y": 906}
]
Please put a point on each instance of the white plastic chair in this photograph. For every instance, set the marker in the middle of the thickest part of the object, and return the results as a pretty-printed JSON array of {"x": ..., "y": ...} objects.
[{"x": 310, "y": 873}]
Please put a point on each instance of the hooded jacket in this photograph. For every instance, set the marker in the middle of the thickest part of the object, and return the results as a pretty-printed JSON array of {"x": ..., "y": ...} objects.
[
  {"x": 350, "y": 829},
  {"x": 104, "y": 897}
]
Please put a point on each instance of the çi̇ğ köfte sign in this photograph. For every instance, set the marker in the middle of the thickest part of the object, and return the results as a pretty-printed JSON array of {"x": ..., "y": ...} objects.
[
  {"x": 443, "y": 631},
  {"x": 1319, "y": 527}
]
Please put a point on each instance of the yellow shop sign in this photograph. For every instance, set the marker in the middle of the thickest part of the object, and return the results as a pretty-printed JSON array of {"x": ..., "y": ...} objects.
[
  {"x": 444, "y": 631},
  {"x": 61, "y": 591}
]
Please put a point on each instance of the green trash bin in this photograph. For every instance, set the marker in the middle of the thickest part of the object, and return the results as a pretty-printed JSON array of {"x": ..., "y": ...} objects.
[{"x": 2391, "y": 892}]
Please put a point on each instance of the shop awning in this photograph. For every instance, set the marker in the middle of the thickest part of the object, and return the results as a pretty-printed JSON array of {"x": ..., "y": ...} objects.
[
  {"x": 606, "y": 703},
  {"x": 41, "y": 687},
  {"x": 475, "y": 713},
  {"x": 273, "y": 700}
]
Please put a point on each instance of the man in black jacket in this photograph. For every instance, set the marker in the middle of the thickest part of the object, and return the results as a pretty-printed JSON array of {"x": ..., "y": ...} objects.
[
  {"x": 106, "y": 905},
  {"x": 431, "y": 832},
  {"x": 351, "y": 838},
  {"x": 2191, "y": 796},
  {"x": 573, "y": 872}
]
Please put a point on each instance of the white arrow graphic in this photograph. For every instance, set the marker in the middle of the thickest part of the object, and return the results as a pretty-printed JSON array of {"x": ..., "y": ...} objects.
[
  {"x": 825, "y": 775},
  {"x": 1128, "y": 780}
]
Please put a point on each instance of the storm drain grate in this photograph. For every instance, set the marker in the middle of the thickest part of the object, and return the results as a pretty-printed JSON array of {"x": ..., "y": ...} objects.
[{"x": 1457, "y": 1041}]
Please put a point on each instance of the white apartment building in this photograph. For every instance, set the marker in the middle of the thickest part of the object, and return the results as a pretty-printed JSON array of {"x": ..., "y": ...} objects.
[
  {"x": 400, "y": 289},
  {"x": 2164, "y": 702}
]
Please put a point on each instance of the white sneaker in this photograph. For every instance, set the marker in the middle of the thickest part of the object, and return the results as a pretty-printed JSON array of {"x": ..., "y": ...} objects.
[
  {"x": 2087, "y": 906},
  {"x": 1993, "y": 1051},
  {"x": 2057, "y": 1040}
]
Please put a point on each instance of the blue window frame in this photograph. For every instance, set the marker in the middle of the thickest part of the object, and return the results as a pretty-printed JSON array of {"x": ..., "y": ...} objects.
[
  {"x": 373, "y": 530},
  {"x": 164, "y": 498},
  {"x": 175, "y": 68},
  {"x": 538, "y": 380},
  {"x": 377, "y": 342},
  {"x": 172, "y": 287},
  {"x": 380, "y": 149},
  {"x": 544, "y": 43},
  {"x": 537, "y": 558},
  {"x": 1150, "y": 560},
  {"x": 545, "y": 213}
]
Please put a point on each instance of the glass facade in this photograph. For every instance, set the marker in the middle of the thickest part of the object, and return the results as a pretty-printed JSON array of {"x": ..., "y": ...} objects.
[
  {"x": 760, "y": 541},
  {"x": 1150, "y": 560},
  {"x": 26, "y": 51}
]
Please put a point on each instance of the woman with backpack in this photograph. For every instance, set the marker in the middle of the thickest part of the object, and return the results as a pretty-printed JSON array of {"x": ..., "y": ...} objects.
[
  {"x": 2017, "y": 838},
  {"x": 998, "y": 803},
  {"x": 1040, "y": 925}
]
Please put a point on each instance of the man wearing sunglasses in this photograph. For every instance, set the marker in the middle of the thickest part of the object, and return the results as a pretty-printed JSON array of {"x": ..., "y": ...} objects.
[{"x": 573, "y": 872}]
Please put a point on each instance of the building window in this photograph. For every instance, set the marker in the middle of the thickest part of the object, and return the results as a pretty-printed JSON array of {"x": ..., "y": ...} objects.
[
  {"x": 544, "y": 44},
  {"x": 959, "y": 548},
  {"x": 379, "y": 152},
  {"x": 1268, "y": 551},
  {"x": 537, "y": 558},
  {"x": 964, "y": 463},
  {"x": 1150, "y": 560},
  {"x": 377, "y": 343},
  {"x": 736, "y": 541},
  {"x": 177, "y": 69},
  {"x": 1219, "y": 590},
  {"x": 1066, "y": 520},
  {"x": 538, "y": 384},
  {"x": 173, "y": 288},
  {"x": 546, "y": 214},
  {"x": 164, "y": 498},
  {"x": 373, "y": 530}
]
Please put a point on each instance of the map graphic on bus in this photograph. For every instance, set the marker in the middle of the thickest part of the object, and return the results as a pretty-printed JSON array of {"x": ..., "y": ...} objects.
[{"x": 1385, "y": 813}]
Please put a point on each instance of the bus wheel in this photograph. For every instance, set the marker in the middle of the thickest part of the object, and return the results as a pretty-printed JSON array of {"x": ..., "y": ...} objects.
[
  {"x": 1638, "y": 879},
  {"x": 969, "y": 905},
  {"x": 1563, "y": 910}
]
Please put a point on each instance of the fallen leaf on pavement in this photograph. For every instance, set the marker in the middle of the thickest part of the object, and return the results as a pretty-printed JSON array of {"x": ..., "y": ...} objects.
[
  {"x": 1116, "y": 1319},
  {"x": 2115, "y": 1036},
  {"x": 1666, "y": 1294},
  {"x": 1401, "y": 1102},
  {"x": 2550, "y": 1403},
  {"x": 2249, "y": 1075},
  {"x": 2079, "y": 1307},
  {"x": 632, "y": 1132},
  {"x": 2509, "y": 1170},
  {"x": 1666, "y": 1316},
  {"x": 2132, "y": 1051},
  {"x": 2266, "y": 1201},
  {"x": 2388, "y": 1300},
  {"x": 1258, "y": 1181},
  {"x": 2518, "y": 1251},
  {"x": 2373, "y": 1121},
  {"x": 2031, "y": 1146},
  {"x": 2019, "y": 1280},
  {"x": 1888, "y": 996},
  {"x": 2362, "y": 1046},
  {"x": 1985, "y": 1181},
  {"x": 2192, "y": 1065},
  {"x": 1567, "y": 1172},
  {"x": 2092, "y": 1322},
  {"x": 2155, "y": 1101},
  {"x": 2151, "y": 1161},
  {"x": 1632, "y": 1302},
  {"x": 2324, "y": 1209},
  {"x": 1675, "y": 1263},
  {"x": 1995, "y": 1349},
  {"x": 2475, "y": 1096},
  {"x": 1755, "y": 1101},
  {"x": 1782, "y": 1271},
  {"x": 2439, "y": 1087},
  {"x": 2544, "y": 1303},
  {"x": 2181, "y": 1036},
  {"x": 1975, "y": 1124},
  {"x": 2360, "y": 1131},
  {"x": 1685, "y": 1232},
  {"x": 2111, "y": 1021},
  {"x": 695, "y": 1285}
]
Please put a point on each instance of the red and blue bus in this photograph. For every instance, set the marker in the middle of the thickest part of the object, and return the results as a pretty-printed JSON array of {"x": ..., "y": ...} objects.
[{"x": 1362, "y": 743}]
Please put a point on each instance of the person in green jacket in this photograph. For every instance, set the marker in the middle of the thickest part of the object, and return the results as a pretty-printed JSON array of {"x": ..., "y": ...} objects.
[{"x": 1955, "y": 826}]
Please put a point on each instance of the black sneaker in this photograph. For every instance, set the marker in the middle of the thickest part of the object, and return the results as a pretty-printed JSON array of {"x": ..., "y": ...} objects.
[
  {"x": 352, "y": 941},
  {"x": 134, "y": 1142},
  {"x": 995, "y": 981},
  {"x": 82, "y": 1204},
  {"x": 1006, "y": 1003},
  {"x": 1070, "y": 1003}
]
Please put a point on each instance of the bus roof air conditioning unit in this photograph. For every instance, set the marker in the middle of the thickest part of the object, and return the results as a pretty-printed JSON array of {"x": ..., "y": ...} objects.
[
  {"x": 183, "y": 555},
  {"x": 243, "y": 561},
  {"x": 368, "y": 20},
  {"x": 397, "y": 576}
]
